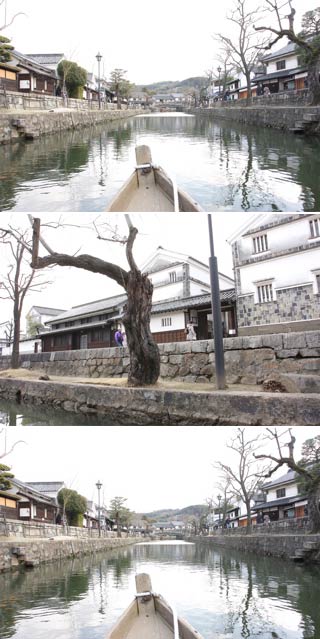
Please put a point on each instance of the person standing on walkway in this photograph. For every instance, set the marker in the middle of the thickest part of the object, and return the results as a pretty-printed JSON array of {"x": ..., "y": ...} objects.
[{"x": 118, "y": 337}]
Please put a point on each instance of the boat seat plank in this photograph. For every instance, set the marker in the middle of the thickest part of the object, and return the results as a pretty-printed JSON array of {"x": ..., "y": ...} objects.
[
  {"x": 149, "y": 626},
  {"x": 149, "y": 197}
]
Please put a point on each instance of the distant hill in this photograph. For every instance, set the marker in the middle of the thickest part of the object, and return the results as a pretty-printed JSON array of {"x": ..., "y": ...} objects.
[
  {"x": 174, "y": 86},
  {"x": 167, "y": 514}
]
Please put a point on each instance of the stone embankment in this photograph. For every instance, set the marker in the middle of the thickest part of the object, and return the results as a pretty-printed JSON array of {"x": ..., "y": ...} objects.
[
  {"x": 31, "y": 125},
  {"x": 300, "y": 548},
  {"x": 291, "y": 358},
  {"x": 143, "y": 406},
  {"x": 29, "y": 553},
  {"x": 298, "y": 119}
]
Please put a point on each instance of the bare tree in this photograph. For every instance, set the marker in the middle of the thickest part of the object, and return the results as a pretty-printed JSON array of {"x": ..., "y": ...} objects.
[
  {"x": 8, "y": 330},
  {"x": 242, "y": 50},
  {"x": 144, "y": 353},
  {"x": 8, "y": 21},
  {"x": 244, "y": 480},
  {"x": 221, "y": 506},
  {"x": 19, "y": 281},
  {"x": 5, "y": 452},
  {"x": 307, "y": 41},
  {"x": 307, "y": 469},
  {"x": 118, "y": 84},
  {"x": 227, "y": 67}
]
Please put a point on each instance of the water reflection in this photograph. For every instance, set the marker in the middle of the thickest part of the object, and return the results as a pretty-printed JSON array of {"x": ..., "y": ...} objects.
[
  {"x": 224, "y": 594},
  {"x": 223, "y": 165},
  {"x": 12, "y": 413}
]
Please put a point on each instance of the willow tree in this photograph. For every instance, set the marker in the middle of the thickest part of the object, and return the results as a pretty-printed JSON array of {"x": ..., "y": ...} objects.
[{"x": 144, "y": 354}]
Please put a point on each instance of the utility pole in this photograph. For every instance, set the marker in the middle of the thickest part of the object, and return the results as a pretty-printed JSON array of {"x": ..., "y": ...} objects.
[
  {"x": 99, "y": 486},
  {"x": 216, "y": 313},
  {"x": 99, "y": 58}
]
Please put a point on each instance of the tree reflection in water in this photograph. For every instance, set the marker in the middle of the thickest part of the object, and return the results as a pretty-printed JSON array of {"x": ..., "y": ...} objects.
[
  {"x": 221, "y": 592},
  {"x": 222, "y": 164}
]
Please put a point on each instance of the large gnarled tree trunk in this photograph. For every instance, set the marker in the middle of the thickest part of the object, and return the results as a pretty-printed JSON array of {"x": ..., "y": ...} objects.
[
  {"x": 143, "y": 351},
  {"x": 314, "y": 81}
]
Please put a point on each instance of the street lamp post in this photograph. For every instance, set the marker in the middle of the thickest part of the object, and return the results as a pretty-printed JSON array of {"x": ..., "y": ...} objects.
[
  {"x": 216, "y": 313},
  {"x": 99, "y": 58},
  {"x": 219, "y": 71},
  {"x": 99, "y": 486},
  {"x": 219, "y": 500}
]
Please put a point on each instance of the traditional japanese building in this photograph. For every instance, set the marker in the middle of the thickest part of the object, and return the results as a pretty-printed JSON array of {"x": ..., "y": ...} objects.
[
  {"x": 277, "y": 273},
  {"x": 31, "y": 76},
  {"x": 283, "y": 499},
  {"x": 181, "y": 296},
  {"x": 22, "y": 502}
]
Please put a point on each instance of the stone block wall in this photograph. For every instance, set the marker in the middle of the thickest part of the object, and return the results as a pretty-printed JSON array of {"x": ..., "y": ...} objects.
[
  {"x": 19, "y": 553},
  {"x": 276, "y": 117},
  {"x": 291, "y": 305},
  {"x": 31, "y": 125},
  {"x": 20, "y": 101},
  {"x": 282, "y": 546},
  {"x": 248, "y": 359},
  {"x": 28, "y": 529}
]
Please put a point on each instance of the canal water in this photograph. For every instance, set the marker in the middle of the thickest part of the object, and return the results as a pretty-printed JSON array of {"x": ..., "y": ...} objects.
[
  {"x": 14, "y": 414},
  {"x": 224, "y": 166},
  {"x": 223, "y": 594}
]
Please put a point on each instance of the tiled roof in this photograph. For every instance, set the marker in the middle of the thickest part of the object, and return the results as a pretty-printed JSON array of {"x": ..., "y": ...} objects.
[
  {"x": 287, "y": 50},
  {"x": 284, "y": 501},
  {"x": 45, "y": 486},
  {"x": 101, "y": 306},
  {"x": 27, "y": 62},
  {"x": 45, "y": 58},
  {"x": 45, "y": 310},
  {"x": 76, "y": 327},
  {"x": 26, "y": 489},
  {"x": 91, "y": 308},
  {"x": 191, "y": 302},
  {"x": 289, "y": 476},
  {"x": 284, "y": 73}
]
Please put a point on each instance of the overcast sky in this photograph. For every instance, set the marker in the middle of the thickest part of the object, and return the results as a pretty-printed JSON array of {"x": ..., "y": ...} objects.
[
  {"x": 169, "y": 40},
  {"x": 154, "y": 467},
  {"x": 185, "y": 233}
]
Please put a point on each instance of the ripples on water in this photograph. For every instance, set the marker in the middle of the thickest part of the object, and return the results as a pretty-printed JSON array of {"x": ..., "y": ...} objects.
[
  {"x": 15, "y": 414},
  {"x": 224, "y": 166},
  {"x": 222, "y": 594}
]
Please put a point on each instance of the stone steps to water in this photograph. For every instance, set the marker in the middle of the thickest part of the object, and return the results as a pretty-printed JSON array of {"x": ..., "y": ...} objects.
[
  {"x": 311, "y": 117},
  {"x": 305, "y": 552},
  {"x": 302, "y": 125}
]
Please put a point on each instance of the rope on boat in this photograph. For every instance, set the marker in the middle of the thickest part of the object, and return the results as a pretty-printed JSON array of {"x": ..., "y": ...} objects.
[{"x": 175, "y": 196}]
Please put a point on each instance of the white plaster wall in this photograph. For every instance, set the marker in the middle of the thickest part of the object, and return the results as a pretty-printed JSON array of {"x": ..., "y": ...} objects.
[
  {"x": 280, "y": 237},
  {"x": 200, "y": 272},
  {"x": 291, "y": 491},
  {"x": 203, "y": 274},
  {"x": 291, "y": 63},
  {"x": 24, "y": 347},
  {"x": 289, "y": 270},
  {"x": 198, "y": 289},
  {"x": 163, "y": 275},
  {"x": 177, "y": 322},
  {"x": 169, "y": 291}
]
